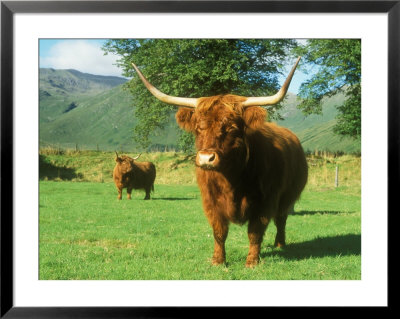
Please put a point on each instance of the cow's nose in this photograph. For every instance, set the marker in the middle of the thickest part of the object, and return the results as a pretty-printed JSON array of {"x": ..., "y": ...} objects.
[{"x": 206, "y": 159}]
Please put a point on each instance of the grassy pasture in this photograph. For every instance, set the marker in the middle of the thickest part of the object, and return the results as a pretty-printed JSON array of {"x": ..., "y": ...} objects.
[{"x": 86, "y": 233}]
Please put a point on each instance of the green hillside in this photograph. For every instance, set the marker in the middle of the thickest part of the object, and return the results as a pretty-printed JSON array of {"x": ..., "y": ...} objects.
[
  {"x": 64, "y": 82},
  {"x": 79, "y": 110},
  {"x": 102, "y": 119},
  {"x": 316, "y": 131},
  {"x": 88, "y": 112},
  {"x": 59, "y": 89}
]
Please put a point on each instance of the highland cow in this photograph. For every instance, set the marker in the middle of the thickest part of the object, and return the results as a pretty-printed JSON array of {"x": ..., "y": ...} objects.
[
  {"x": 133, "y": 175},
  {"x": 247, "y": 169}
]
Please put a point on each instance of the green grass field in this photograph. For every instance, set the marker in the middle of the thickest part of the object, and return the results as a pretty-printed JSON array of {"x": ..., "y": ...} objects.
[{"x": 86, "y": 233}]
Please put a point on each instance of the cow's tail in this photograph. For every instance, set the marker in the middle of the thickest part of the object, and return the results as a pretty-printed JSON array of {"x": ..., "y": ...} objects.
[{"x": 152, "y": 185}]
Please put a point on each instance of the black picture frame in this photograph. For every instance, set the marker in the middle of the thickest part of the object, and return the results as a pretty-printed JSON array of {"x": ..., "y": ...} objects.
[{"x": 9, "y": 8}]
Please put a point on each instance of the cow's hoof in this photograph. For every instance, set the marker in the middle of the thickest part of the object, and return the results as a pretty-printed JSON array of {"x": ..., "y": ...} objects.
[
  {"x": 279, "y": 244},
  {"x": 251, "y": 262},
  {"x": 217, "y": 261}
]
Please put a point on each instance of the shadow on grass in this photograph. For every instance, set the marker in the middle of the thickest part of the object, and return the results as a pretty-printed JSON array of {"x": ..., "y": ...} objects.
[
  {"x": 343, "y": 245},
  {"x": 51, "y": 172},
  {"x": 322, "y": 212},
  {"x": 173, "y": 198}
]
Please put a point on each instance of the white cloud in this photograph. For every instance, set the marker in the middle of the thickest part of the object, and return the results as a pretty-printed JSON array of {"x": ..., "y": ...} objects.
[{"x": 82, "y": 55}]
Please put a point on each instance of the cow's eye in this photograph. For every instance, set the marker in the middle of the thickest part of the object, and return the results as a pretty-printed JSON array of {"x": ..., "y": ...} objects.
[{"x": 231, "y": 128}]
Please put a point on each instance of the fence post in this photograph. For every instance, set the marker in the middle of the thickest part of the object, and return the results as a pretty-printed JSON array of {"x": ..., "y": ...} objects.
[{"x": 337, "y": 176}]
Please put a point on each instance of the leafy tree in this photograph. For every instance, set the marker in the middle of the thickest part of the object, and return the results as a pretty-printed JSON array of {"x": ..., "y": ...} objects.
[
  {"x": 339, "y": 69},
  {"x": 195, "y": 68}
]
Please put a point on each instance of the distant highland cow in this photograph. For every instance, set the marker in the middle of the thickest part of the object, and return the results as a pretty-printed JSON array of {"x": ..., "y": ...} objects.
[{"x": 133, "y": 175}]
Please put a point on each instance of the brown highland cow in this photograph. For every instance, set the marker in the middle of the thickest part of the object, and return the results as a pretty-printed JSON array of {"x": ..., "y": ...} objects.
[
  {"x": 248, "y": 170},
  {"x": 133, "y": 175}
]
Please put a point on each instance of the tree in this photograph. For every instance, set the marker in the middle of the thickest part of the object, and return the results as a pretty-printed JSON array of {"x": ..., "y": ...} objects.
[
  {"x": 339, "y": 69},
  {"x": 70, "y": 107},
  {"x": 195, "y": 68}
]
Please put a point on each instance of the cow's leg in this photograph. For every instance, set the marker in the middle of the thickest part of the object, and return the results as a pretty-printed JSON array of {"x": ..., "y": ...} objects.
[
  {"x": 119, "y": 193},
  {"x": 256, "y": 230},
  {"x": 129, "y": 192},
  {"x": 220, "y": 229},
  {"x": 147, "y": 193},
  {"x": 280, "y": 222}
]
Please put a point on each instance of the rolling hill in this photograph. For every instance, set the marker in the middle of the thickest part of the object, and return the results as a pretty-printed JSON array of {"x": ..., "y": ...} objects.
[
  {"x": 79, "y": 110},
  {"x": 316, "y": 131},
  {"x": 96, "y": 112}
]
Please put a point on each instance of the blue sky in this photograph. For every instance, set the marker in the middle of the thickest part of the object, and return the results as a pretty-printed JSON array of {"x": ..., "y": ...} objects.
[
  {"x": 85, "y": 55},
  {"x": 46, "y": 45}
]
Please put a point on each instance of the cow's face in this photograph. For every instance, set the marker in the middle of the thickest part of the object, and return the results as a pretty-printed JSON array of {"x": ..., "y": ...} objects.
[
  {"x": 220, "y": 131},
  {"x": 125, "y": 164}
]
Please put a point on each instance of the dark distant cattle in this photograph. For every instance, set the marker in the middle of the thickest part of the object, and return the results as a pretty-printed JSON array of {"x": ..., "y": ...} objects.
[
  {"x": 133, "y": 175},
  {"x": 248, "y": 170}
]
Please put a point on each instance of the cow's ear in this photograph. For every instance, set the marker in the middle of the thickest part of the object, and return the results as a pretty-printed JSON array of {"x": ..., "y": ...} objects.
[
  {"x": 185, "y": 119},
  {"x": 254, "y": 116}
]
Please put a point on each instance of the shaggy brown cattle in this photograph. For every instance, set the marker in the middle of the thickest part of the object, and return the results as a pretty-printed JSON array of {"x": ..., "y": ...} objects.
[
  {"x": 248, "y": 170},
  {"x": 133, "y": 175}
]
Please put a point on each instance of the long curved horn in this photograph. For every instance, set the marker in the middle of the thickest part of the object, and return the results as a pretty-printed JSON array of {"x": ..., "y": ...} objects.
[
  {"x": 274, "y": 99},
  {"x": 179, "y": 101},
  {"x": 135, "y": 158}
]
